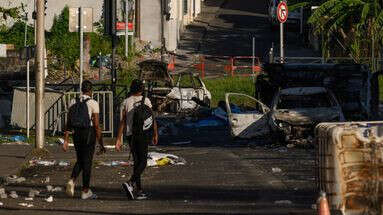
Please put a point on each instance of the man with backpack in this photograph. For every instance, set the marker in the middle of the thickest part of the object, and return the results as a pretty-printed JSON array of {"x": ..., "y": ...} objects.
[
  {"x": 141, "y": 128},
  {"x": 83, "y": 119}
]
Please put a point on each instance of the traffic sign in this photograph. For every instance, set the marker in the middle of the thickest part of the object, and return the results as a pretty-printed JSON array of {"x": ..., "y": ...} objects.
[{"x": 282, "y": 12}]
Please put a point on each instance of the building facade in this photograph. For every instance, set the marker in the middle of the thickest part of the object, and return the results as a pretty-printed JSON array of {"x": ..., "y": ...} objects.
[{"x": 151, "y": 22}]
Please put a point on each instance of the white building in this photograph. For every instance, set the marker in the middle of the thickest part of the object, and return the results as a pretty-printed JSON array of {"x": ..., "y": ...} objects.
[{"x": 150, "y": 24}]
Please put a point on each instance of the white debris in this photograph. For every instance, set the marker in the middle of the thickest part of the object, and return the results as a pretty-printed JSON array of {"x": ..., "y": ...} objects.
[
  {"x": 123, "y": 176},
  {"x": 1, "y": 204},
  {"x": 57, "y": 189},
  {"x": 28, "y": 199},
  {"x": 2, "y": 190},
  {"x": 60, "y": 141},
  {"x": 314, "y": 206},
  {"x": 276, "y": 169},
  {"x": 33, "y": 193},
  {"x": 283, "y": 202},
  {"x": 290, "y": 145},
  {"x": 49, "y": 199},
  {"x": 14, "y": 195},
  {"x": 110, "y": 146},
  {"x": 64, "y": 163},
  {"x": 26, "y": 205},
  {"x": 15, "y": 179},
  {"x": 47, "y": 179},
  {"x": 42, "y": 162},
  {"x": 3, "y": 196},
  {"x": 153, "y": 157},
  {"x": 49, "y": 188}
]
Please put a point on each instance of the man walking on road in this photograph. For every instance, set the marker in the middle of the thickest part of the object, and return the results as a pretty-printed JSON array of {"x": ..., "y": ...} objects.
[
  {"x": 141, "y": 129},
  {"x": 83, "y": 119}
]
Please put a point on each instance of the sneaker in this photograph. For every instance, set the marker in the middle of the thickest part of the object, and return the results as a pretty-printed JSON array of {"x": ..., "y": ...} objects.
[
  {"x": 88, "y": 195},
  {"x": 70, "y": 188},
  {"x": 141, "y": 196},
  {"x": 128, "y": 189}
]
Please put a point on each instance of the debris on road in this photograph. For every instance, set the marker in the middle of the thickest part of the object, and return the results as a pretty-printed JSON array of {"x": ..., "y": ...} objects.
[
  {"x": 49, "y": 199},
  {"x": 115, "y": 163},
  {"x": 47, "y": 179},
  {"x": 3, "y": 195},
  {"x": 26, "y": 205},
  {"x": 1, "y": 204},
  {"x": 33, "y": 193},
  {"x": 161, "y": 159},
  {"x": 49, "y": 188},
  {"x": 276, "y": 170},
  {"x": 38, "y": 162},
  {"x": 290, "y": 145},
  {"x": 14, "y": 195},
  {"x": 15, "y": 179},
  {"x": 283, "y": 202},
  {"x": 57, "y": 189},
  {"x": 28, "y": 199}
]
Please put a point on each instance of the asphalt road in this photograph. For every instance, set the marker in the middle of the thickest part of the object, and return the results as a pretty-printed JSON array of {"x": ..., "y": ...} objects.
[{"x": 221, "y": 176}]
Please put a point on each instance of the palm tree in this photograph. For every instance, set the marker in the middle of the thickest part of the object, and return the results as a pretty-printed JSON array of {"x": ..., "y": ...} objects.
[{"x": 354, "y": 24}]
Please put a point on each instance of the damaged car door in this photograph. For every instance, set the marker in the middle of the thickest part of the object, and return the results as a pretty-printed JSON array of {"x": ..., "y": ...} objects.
[{"x": 247, "y": 116}]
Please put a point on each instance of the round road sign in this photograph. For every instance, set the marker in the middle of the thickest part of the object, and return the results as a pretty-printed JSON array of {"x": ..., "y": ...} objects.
[{"x": 282, "y": 12}]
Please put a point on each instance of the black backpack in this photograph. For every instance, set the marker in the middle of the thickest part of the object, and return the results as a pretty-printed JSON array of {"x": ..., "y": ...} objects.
[
  {"x": 142, "y": 119},
  {"x": 78, "y": 115}
]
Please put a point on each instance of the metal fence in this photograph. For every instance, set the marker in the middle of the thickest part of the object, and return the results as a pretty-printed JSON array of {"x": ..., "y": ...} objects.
[{"x": 55, "y": 116}]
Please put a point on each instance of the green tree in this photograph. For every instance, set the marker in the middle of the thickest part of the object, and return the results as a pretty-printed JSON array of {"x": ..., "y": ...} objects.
[
  {"x": 15, "y": 35},
  {"x": 354, "y": 24}
]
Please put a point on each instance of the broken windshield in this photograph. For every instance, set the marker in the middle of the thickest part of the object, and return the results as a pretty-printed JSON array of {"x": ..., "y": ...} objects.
[{"x": 304, "y": 101}]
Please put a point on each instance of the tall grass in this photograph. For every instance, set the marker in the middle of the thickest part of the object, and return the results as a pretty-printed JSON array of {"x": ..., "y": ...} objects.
[{"x": 219, "y": 86}]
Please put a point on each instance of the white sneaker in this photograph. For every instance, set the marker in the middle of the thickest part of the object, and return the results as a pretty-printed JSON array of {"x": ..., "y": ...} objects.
[
  {"x": 88, "y": 195},
  {"x": 70, "y": 188}
]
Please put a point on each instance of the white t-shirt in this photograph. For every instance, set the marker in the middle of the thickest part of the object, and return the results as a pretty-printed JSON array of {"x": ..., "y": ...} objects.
[
  {"x": 93, "y": 106},
  {"x": 128, "y": 105}
]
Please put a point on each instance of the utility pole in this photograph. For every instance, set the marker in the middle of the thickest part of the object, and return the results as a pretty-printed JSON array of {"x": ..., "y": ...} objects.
[
  {"x": 39, "y": 74},
  {"x": 27, "y": 56}
]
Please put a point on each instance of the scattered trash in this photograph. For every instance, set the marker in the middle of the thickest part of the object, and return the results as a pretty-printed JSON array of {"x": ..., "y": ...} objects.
[
  {"x": 49, "y": 188},
  {"x": 3, "y": 195},
  {"x": 18, "y": 138},
  {"x": 28, "y": 199},
  {"x": 276, "y": 169},
  {"x": 57, "y": 189},
  {"x": 283, "y": 202},
  {"x": 314, "y": 206},
  {"x": 14, "y": 195},
  {"x": 64, "y": 163},
  {"x": 33, "y": 193},
  {"x": 49, "y": 199},
  {"x": 15, "y": 179},
  {"x": 110, "y": 146},
  {"x": 26, "y": 205},
  {"x": 1, "y": 204},
  {"x": 115, "y": 163},
  {"x": 123, "y": 176},
  {"x": 182, "y": 143},
  {"x": 290, "y": 145},
  {"x": 160, "y": 159},
  {"x": 47, "y": 179},
  {"x": 2, "y": 190}
]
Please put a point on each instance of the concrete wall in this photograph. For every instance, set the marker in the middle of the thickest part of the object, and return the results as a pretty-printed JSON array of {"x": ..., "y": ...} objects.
[
  {"x": 54, "y": 8},
  {"x": 150, "y": 21}
]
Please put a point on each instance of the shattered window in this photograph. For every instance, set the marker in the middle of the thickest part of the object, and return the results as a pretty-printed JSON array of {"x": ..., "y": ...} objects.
[
  {"x": 242, "y": 104},
  {"x": 304, "y": 101},
  {"x": 186, "y": 81},
  {"x": 197, "y": 82}
]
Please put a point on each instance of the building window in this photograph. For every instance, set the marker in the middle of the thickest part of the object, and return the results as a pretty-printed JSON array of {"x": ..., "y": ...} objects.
[{"x": 185, "y": 7}]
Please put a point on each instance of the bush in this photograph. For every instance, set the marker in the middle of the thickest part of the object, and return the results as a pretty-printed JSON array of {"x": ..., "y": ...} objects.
[{"x": 15, "y": 35}]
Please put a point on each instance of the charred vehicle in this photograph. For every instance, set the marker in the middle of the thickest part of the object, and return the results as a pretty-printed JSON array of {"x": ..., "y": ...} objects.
[
  {"x": 290, "y": 99},
  {"x": 181, "y": 93},
  {"x": 296, "y": 111}
]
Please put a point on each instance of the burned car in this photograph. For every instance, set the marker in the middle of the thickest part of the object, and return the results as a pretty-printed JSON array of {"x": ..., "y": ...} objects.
[
  {"x": 180, "y": 93},
  {"x": 296, "y": 111},
  {"x": 294, "y": 114}
]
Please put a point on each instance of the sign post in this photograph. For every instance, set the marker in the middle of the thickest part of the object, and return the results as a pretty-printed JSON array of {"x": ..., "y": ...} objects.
[
  {"x": 81, "y": 20},
  {"x": 282, "y": 14}
]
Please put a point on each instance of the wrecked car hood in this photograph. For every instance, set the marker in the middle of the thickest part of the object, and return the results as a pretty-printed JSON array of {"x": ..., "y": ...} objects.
[{"x": 306, "y": 116}]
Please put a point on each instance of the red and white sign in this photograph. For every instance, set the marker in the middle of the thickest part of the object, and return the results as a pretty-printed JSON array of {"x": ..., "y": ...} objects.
[
  {"x": 282, "y": 12},
  {"x": 121, "y": 26}
]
